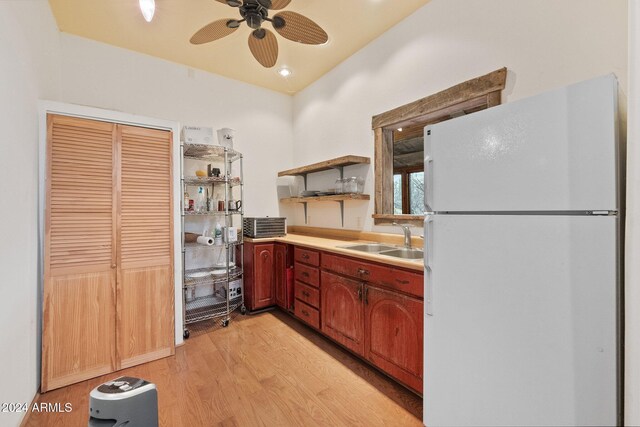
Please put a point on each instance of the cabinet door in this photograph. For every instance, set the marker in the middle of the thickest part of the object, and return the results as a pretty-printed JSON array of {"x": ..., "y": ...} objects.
[
  {"x": 79, "y": 323},
  {"x": 342, "y": 312},
  {"x": 280, "y": 274},
  {"x": 263, "y": 276},
  {"x": 393, "y": 327},
  {"x": 145, "y": 290}
]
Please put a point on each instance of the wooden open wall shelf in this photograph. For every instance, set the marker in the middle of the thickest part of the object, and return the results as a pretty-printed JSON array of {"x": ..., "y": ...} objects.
[
  {"x": 338, "y": 164},
  {"x": 334, "y": 198}
]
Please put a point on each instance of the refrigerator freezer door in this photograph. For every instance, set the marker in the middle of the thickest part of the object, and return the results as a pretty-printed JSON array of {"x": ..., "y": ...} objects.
[
  {"x": 551, "y": 152},
  {"x": 522, "y": 329}
]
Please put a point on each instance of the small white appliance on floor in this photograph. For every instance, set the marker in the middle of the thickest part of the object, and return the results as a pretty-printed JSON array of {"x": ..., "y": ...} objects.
[
  {"x": 522, "y": 263},
  {"x": 125, "y": 401}
]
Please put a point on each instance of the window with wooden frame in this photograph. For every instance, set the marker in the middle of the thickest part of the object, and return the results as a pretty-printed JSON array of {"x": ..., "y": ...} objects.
[
  {"x": 408, "y": 171},
  {"x": 398, "y": 137},
  {"x": 408, "y": 191}
]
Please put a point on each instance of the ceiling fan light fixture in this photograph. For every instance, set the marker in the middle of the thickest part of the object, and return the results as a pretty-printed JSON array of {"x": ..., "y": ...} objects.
[
  {"x": 148, "y": 8},
  {"x": 260, "y": 33},
  {"x": 284, "y": 72},
  {"x": 278, "y": 22}
]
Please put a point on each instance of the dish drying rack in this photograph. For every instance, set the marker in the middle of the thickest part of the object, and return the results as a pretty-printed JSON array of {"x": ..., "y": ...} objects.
[{"x": 215, "y": 291}]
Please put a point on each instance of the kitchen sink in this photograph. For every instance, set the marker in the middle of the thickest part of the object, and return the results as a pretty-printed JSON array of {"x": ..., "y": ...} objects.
[
  {"x": 404, "y": 253},
  {"x": 369, "y": 247},
  {"x": 392, "y": 251}
]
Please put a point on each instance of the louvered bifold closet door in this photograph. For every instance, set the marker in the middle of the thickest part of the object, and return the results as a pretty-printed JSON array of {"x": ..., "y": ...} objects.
[
  {"x": 79, "y": 323},
  {"x": 145, "y": 255}
]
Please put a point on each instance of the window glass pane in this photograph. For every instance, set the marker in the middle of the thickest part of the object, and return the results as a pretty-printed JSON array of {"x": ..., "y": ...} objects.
[
  {"x": 397, "y": 194},
  {"x": 416, "y": 193}
]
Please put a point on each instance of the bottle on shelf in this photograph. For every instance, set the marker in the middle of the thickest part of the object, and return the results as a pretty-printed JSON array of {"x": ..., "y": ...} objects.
[
  {"x": 201, "y": 204},
  {"x": 186, "y": 201}
]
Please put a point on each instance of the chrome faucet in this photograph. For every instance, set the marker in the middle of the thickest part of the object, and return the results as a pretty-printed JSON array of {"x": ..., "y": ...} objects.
[{"x": 406, "y": 228}]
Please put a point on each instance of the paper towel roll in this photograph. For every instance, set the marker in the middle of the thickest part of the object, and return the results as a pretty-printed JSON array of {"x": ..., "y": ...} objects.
[{"x": 204, "y": 240}]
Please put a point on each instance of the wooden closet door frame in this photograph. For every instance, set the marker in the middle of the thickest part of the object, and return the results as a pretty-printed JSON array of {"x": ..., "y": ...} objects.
[{"x": 71, "y": 110}]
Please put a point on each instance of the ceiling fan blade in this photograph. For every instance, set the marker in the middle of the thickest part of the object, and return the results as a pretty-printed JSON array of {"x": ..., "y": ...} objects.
[
  {"x": 213, "y": 31},
  {"x": 299, "y": 28},
  {"x": 279, "y": 4},
  {"x": 264, "y": 49},
  {"x": 235, "y": 3}
]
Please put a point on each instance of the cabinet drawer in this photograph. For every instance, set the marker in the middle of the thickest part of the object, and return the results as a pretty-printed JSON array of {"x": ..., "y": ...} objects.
[
  {"x": 307, "y": 256},
  {"x": 389, "y": 277},
  {"x": 307, "y": 313},
  {"x": 306, "y": 274},
  {"x": 308, "y": 294}
]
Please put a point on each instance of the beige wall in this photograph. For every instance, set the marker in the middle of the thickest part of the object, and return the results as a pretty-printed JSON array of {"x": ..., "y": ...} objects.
[
  {"x": 543, "y": 43},
  {"x": 104, "y": 76},
  {"x": 26, "y": 73}
]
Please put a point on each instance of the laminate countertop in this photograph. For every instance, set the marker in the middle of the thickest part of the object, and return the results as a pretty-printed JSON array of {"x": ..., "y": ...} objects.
[{"x": 330, "y": 244}]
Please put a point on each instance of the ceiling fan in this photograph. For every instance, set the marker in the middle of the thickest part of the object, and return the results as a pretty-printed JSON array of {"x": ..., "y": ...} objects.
[{"x": 262, "y": 42}]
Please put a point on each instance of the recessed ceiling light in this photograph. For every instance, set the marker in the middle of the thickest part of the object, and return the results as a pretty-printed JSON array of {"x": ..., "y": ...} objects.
[
  {"x": 399, "y": 129},
  {"x": 284, "y": 72},
  {"x": 148, "y": 8}
]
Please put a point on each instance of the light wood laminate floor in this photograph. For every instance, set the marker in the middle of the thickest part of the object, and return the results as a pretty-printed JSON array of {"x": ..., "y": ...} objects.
[{"x": 263, "y": 370}]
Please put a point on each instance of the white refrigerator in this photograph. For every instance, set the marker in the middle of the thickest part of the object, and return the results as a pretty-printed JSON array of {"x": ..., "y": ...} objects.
[{"x": 522, "y": 259}]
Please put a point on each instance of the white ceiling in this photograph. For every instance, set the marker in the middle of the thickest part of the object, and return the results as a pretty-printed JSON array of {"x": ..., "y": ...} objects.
[{"x": 351, "y": 24}]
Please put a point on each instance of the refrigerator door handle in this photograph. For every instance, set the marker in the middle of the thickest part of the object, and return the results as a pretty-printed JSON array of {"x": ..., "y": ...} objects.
[
  {"x": 428, "y": 253},
  {"x": 428, "y": 239},
  {"x": 428, "y": 187}
]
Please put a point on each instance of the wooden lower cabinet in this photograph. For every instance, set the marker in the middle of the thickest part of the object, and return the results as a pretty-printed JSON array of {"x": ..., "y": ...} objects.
[
  {"x": 265, "y": 278},
  {"x": 259, "y": 276},
  {"x": 367, "y": 313},
  {"x": 394, "y": 334},
  {"x": 280, "y": 274},
  {"x": 342, "y": 313},
  {"x": 306, "y": 275},
  {"x": 376, "y": 311}
]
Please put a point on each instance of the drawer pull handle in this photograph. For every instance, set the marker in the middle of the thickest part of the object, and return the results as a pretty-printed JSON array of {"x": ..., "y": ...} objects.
[
  {"x": 366, "y": 296},
  {"x": 363, "y": 272},
  {"x": 306, "y": 294},
  {"x": 305, "y": 274},
  {"x": 402, "y": 282},
  {"x": 305, "y": 312},
  {"x": 360, "y": 294},
  {"x": 305, "y": 256}
]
